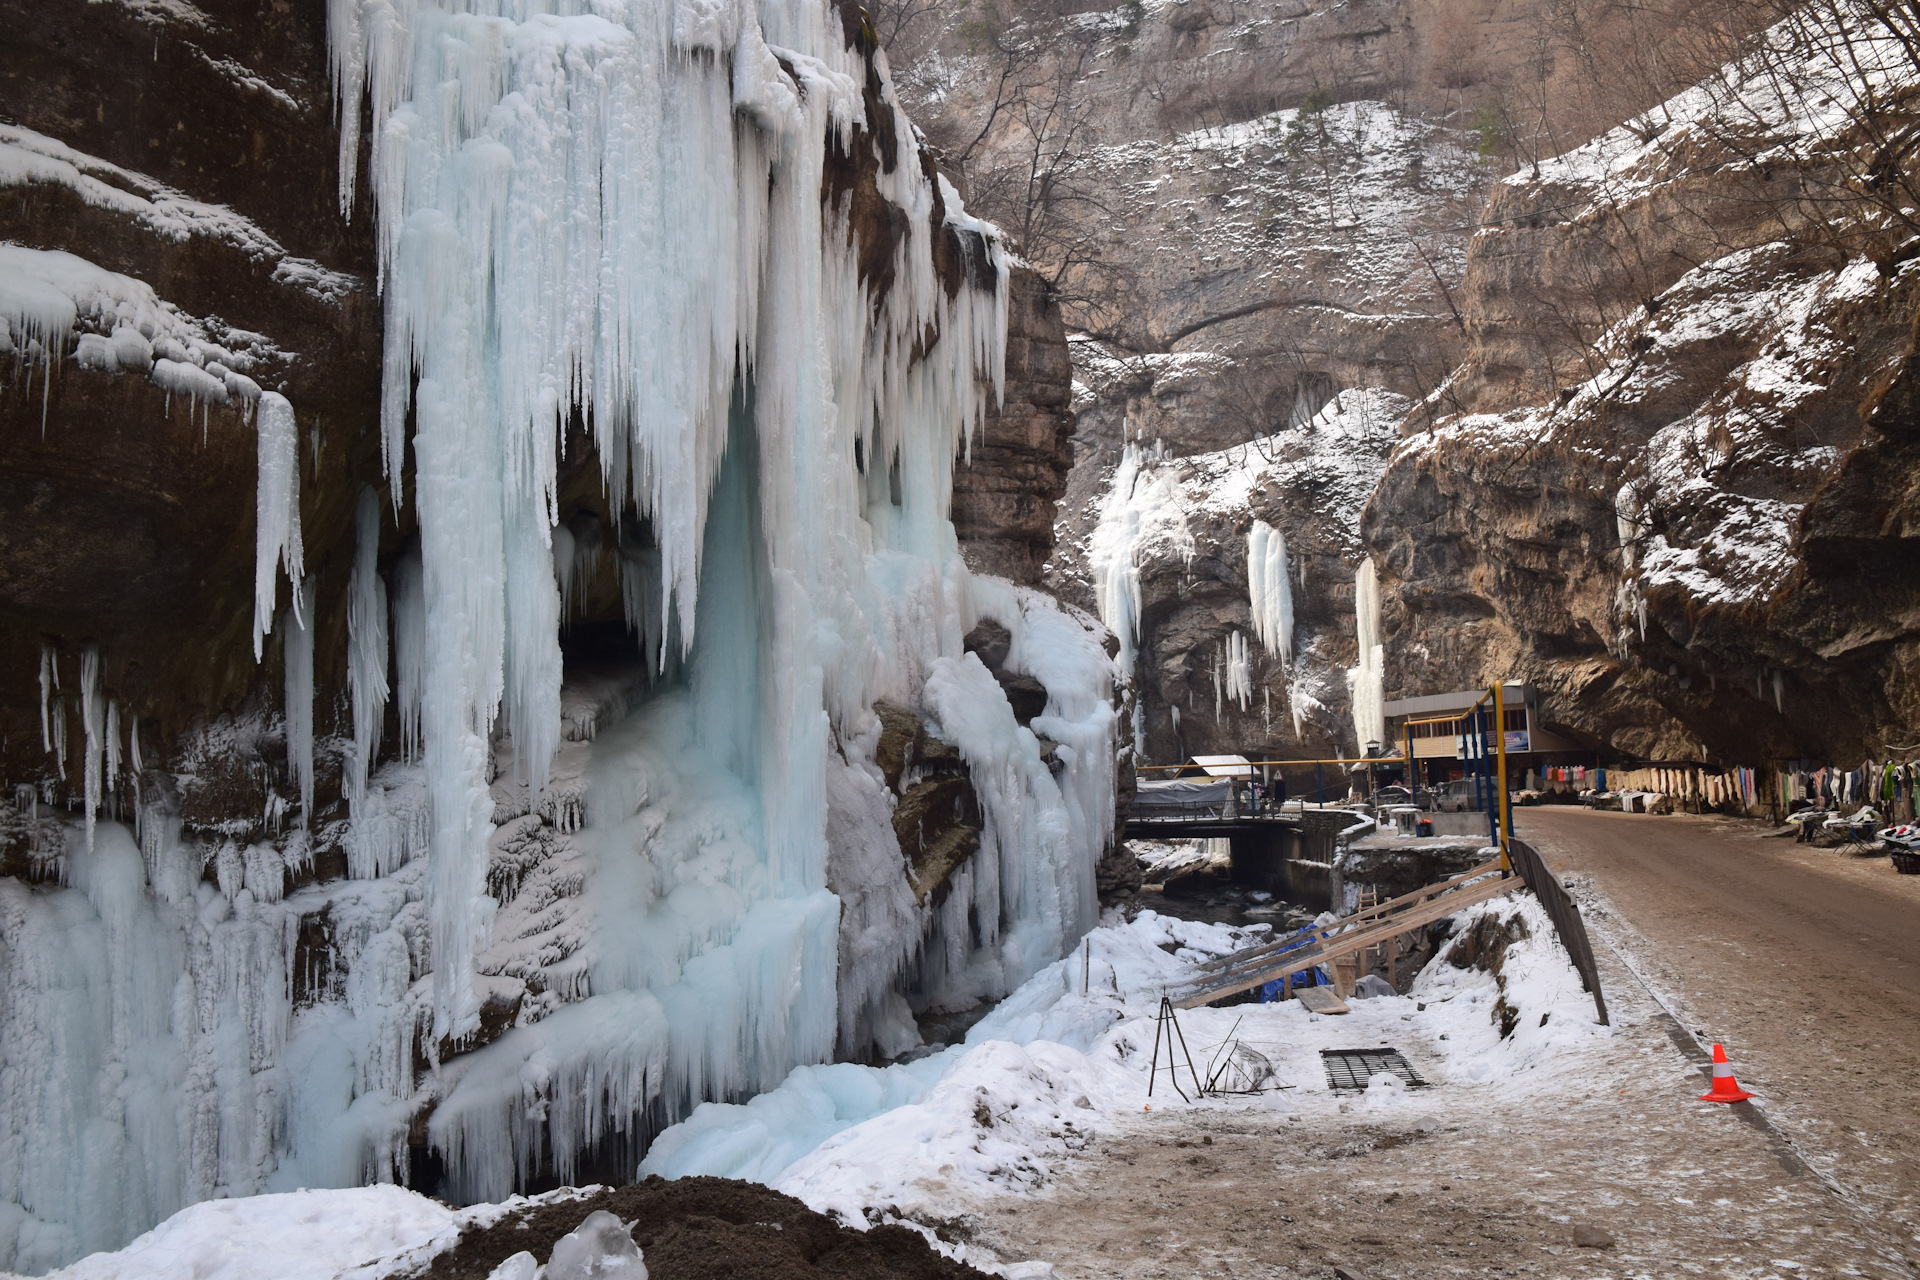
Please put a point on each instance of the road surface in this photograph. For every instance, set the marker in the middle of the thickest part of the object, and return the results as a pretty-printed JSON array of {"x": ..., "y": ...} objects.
[{"x": 1805, "y": 962}]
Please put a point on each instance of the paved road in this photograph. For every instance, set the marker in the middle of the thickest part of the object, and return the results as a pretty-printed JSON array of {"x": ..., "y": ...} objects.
[{"x": 1804, "y": 962}]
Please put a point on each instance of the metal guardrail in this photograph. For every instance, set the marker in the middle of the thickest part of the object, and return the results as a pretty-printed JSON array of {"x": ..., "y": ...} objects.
[
  {"x": 1565, "y": 914},
  {"x": 1205, "y": 813}
]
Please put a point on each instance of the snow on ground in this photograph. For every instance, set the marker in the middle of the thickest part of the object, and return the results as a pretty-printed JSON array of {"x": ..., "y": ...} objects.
[
  {"x": 1056, "y": 1064},
  {"x": 1064, "y": 1059},
  {"x": 301, "y": 1235}
]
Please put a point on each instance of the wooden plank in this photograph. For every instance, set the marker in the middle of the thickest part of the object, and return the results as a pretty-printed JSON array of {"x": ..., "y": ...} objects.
[
  {"x": 1349, "y": 923},
  {"x": 1321, "y": 1000},
  {"x": 1258, "y": 959},
  {"x": 1344, "y": 944}
]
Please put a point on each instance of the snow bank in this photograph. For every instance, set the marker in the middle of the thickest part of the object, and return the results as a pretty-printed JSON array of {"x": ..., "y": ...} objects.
[
  {"x": 873, "y": 1118},
  {"x": 1552, "y": 1015},
  {"x": 299, "y": 1235},
  {"x": 1055, "y": 1064}
]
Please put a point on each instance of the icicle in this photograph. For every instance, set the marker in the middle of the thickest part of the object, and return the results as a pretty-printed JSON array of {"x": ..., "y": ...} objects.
[
  {"x": 409, "y": 648},
  {"x": 49, "y": 681},
  {"x": 532, "y": 687},
  {"x": 92, "y": 717},
  {"x": 297, "y": 628},
  {"x": 1143, "y": 503},
  {"x": 133, "y": 748},
  {"x": 60, "y": 735},
  {"x": 366, "y": 647},
  {"x": 277, "y": 519},
  {"x": 113, "y": 746},
  {"x": 1366, "y": 682},
  {"x": 1239, "y": 671},
  {"x": 1779, "y": 695},
  {"x": 1269, "y": 592}
]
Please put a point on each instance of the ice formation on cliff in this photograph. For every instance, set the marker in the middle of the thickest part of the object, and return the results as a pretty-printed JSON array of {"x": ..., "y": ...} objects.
[
  {"x": 1142, "y": 513},
  {"x": 1270, "y": 591},
  {"x": 1367, "y": 679}
]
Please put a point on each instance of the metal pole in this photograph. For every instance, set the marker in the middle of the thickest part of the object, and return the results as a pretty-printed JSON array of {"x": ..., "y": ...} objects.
[
  {"x": 1413, "y": 787},
  {"x": 1500, "y": 746}
]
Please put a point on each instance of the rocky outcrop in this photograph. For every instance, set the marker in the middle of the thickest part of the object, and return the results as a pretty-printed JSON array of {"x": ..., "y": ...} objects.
[
  {"x": 192, "y": 149},
  {"x": 1008, "y": 482},
  {"x": 1671, "y": 484}
]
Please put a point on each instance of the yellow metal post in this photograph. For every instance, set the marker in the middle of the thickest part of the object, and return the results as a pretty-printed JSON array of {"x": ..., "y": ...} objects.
[{"x": 1500, "y": 740}]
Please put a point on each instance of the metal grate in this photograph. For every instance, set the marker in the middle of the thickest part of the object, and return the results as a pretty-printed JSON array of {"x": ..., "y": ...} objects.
[{"x": 1352, "y": 1068}]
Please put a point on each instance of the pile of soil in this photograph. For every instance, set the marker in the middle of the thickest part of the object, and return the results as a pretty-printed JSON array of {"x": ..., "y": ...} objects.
[{"x": 707, "y": 1228}]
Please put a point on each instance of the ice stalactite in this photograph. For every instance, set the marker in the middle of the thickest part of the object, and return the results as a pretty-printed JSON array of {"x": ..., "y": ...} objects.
[
  {"x": 366, "y": 647},
  {"x": 1366, "y": 681},
  {"x": 297, "y": 629},
  {"x": 1143, "y": 503},
  {"x": 1237, "y": 665},
  {"x": 1269, "y": 592},
  {"x": 93, "y": 724},
  {"x": 113, "y": 746},
  {"x": 1779, "y": 693},
  {"x": 409, "y": 648},
  {"x": 49, "y": 684},
  {"x": 277, "y": 512},
  {"x": 60, "y": 736},
  {"x": 1270, "y": 598}
]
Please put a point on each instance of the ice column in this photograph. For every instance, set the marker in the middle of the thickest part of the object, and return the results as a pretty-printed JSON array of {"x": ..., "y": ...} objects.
[
  {"x": 277, "y": 517},
  {"x": 49, "y": 682},
  {"x": 1269, "y": 591},
  {"x": 1239, "y": 671},
  {"x": 298, "y": 628},
  {"x": 1144, "y": 506},
  {"x": 409, "y": 648},
  {"x": 1366, "y": 682},
  {"x": 366, "y": 646},
  {"x": 92, "y": 717}
]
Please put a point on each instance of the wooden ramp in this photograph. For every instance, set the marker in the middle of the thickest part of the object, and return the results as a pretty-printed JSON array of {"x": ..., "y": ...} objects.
[
  {"x": 1321, "y": 1000},
  {"x": 1298, "y": 952}
]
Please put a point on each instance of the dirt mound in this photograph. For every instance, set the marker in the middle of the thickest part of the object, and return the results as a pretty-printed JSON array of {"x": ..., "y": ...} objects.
[{"x": 697, "y": 1228}]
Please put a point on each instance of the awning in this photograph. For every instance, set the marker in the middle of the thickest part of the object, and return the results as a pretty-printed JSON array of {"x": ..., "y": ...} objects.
[{"x": 1180, "y": 793}]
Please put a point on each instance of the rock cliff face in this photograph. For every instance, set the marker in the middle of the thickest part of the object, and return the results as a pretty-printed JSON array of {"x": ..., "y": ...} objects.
[
  {"x": 1638, "y": 469},
  {"x": 1667, "y": 484},
  {"x": 191, "y": 150},
  {"x": 1008, "y": 482}
]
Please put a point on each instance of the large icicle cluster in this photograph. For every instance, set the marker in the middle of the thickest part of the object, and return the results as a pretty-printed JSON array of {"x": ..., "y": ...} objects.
[
  {"x": 1367, "y": 679},
  {"x": 1270, "y": 591},
  {"x": 1144, "y": 505},
  {"x": 635, "y": 211},
  {"x": 621, "y": 208}
]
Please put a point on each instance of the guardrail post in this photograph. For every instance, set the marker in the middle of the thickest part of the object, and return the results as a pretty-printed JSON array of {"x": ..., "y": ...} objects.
[{"x": 1500, "y": 792}]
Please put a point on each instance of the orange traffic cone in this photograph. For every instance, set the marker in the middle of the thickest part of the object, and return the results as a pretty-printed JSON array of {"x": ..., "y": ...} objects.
[{"x": 1725, "y": 1087}]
